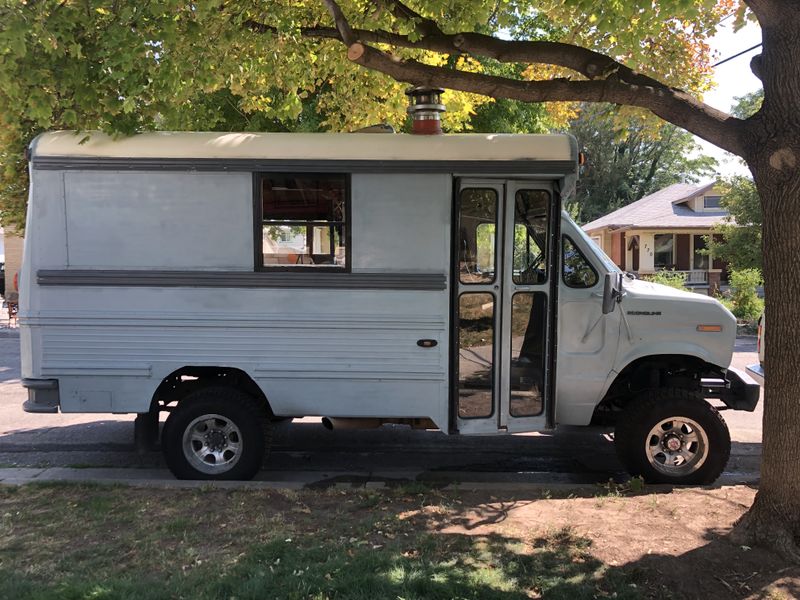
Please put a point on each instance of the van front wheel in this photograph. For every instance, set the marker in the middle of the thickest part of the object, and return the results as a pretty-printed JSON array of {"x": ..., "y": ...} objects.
[
  {"x": 215, "y": 433},
  {"x": 673, "y": 436}
]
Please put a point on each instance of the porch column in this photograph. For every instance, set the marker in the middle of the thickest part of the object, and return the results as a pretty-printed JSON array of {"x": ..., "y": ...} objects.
[
  {"x": 646, "y": 253},
  {"x": 617, "y": 249},
  {"x": 713, "y": 282}
]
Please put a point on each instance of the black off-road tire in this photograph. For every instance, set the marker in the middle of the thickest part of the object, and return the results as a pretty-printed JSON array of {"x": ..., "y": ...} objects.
[
  {"x": 647, "y": 410},
  {"x": 254, "y": 433}
]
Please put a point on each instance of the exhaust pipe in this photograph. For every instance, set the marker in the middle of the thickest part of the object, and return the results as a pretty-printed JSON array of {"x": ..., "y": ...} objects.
[{"x": 332, "y": 423}]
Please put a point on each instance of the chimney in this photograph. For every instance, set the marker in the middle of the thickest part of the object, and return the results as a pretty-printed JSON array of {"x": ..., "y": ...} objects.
[{"x": 425, "y": 107}]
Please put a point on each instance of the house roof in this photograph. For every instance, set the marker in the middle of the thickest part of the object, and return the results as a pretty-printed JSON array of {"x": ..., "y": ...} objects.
[{"x": 663, "y": 209}]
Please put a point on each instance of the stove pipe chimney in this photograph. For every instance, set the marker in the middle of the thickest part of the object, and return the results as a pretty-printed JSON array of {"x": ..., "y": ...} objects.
[{"x": 425, "y": 107}]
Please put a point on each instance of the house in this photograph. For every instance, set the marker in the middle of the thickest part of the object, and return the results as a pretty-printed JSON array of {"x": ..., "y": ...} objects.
[{"x": 666, "y": 230}]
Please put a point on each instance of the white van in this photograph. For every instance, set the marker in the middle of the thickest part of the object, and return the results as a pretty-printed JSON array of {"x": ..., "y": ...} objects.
[{"x": 232, "y": 280}]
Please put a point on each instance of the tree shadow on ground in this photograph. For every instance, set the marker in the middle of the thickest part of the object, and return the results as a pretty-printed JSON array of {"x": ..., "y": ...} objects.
[{"x": 719, "y": 569}]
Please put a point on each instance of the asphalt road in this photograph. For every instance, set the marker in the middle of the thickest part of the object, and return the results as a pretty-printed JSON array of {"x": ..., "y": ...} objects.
[{"x": 573, "y": 455}]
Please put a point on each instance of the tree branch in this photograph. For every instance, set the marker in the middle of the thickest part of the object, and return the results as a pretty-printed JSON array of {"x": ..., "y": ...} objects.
[
  {"x": 422, "y": 25},
  {"x": 671, "y": 105},
  {"x": 588, "y": 63},
  {"x": 342, "y": 25},
  {"x": 378, "y": 36}
]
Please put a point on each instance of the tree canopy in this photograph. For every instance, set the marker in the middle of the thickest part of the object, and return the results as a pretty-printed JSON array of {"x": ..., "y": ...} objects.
[{"x": 627, "y": 158}]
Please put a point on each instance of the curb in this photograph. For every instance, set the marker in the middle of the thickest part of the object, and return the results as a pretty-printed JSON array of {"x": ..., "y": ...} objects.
[{"x": 163, "y": 479}]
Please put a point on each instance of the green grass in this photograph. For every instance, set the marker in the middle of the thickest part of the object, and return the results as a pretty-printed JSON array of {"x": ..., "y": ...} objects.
[{"x": 103, "y": 542}]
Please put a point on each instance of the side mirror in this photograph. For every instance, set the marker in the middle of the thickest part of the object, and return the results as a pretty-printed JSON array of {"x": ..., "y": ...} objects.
[
  {"x": 612, "y": 292},
  {"x": 609, "y": 297}
]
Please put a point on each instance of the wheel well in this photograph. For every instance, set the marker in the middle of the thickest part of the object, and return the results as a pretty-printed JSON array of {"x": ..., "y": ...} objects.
[
  {"x": 652, "y": 372},
  {"x": 186, "y": 380}
]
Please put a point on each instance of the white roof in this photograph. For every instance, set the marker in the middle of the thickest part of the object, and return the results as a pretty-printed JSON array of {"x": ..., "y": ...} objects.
[
  {"x": 307, "y": 146},
  {"x": 663, "y": 209}
]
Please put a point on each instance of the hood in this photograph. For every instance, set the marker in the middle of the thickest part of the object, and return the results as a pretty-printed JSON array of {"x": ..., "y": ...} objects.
[
  {"x": 658, "y": 290},
  {"x": 665, "y": 317}
]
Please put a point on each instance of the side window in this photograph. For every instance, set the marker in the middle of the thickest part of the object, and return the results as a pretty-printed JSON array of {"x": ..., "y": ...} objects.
[
  {"x": 303, "y": 221},
  {"x": 576, "y": 271},
  {"x": 477, "y": 233},
  {"x": 530, "y": 237}
]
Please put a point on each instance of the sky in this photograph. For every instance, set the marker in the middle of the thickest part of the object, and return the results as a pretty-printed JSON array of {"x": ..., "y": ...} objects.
[{"x": 734, "y": 78}]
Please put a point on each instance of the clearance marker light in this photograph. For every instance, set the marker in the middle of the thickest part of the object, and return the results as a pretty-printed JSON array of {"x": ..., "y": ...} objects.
[{"x": 709, "y": 328}]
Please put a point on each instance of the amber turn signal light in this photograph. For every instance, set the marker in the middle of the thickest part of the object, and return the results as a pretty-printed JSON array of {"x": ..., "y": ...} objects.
[{"x": 709, "y": 328}]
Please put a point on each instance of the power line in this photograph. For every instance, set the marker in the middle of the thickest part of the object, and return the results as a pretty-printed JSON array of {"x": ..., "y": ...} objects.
[{"x": 722, "y": 62}]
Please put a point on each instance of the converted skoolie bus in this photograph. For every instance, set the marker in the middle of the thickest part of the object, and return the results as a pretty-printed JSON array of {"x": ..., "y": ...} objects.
[{"x": 231, "y": 280}]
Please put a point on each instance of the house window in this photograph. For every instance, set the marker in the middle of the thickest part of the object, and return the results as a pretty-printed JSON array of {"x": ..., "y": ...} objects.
[
  {"x": 712, "y": 202},
  {"x": 663, "y": 255},
  {"x": 700, "y": 259},
  {"x": 303, "y": 221}
]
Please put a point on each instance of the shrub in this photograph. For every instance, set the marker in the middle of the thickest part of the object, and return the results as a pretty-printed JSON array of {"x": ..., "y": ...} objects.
[
  {"x": 673, "y": 279},
  {"x": 744, "y": 285},
  {"x": 726, "y": 302}
]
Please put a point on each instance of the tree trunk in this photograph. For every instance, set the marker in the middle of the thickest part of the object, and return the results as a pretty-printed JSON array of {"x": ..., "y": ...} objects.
[
  {"x": 772, "y": 151},
  {"x": 774, "y": 519}
]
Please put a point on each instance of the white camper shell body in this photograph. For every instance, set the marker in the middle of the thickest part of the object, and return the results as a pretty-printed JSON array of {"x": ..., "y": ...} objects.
[{"x": 429, "y": 280}]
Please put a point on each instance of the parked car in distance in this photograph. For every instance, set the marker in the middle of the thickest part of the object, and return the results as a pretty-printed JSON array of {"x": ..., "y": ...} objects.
[{"x": 757, "y": 371}]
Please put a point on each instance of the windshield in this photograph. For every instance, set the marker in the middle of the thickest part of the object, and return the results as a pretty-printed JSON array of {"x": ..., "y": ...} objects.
[{"x": 601, "y": 256}]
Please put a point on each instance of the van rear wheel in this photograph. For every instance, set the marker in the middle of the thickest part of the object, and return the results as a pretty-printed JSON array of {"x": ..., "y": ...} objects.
[
  {"x": 673, "y": 436},
  {"x": 215, "y": 433}
]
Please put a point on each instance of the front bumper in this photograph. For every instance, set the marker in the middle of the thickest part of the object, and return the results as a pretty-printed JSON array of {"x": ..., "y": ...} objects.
[
  {"x": 42, "y": 396},
  {"x": 757, "y": 373},
  {"x": 738, "y": 390}
]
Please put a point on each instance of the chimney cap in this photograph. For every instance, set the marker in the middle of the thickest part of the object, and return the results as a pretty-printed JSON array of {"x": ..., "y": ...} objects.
[
  {"x": 423, "y": 89},
  {"x": 425, "y": 107}
]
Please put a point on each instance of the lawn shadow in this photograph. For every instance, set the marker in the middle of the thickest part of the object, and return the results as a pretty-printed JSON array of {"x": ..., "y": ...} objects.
[{"x": 718, "y": 570}]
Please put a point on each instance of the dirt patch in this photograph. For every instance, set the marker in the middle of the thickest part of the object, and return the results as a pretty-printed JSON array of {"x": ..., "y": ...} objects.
[{"x": 676, "y": 542}]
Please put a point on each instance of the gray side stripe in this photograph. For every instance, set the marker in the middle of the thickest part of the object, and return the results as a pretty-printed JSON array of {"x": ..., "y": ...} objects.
[
  {"x": 519, "y": 167},
  {"x": 235, "y": 279}
]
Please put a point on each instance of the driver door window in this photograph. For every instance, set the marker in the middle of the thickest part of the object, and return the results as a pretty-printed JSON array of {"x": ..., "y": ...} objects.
[{"x": 576, "y": 271}]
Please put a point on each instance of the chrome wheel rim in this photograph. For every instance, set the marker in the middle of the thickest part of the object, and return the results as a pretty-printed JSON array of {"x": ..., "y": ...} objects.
[
  {"x": 677, "y": 446},
  {"x": 212, "y": 444}
]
